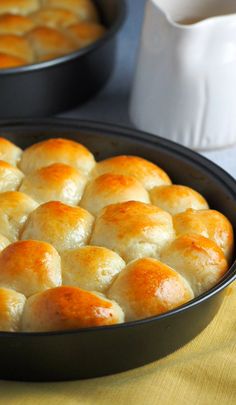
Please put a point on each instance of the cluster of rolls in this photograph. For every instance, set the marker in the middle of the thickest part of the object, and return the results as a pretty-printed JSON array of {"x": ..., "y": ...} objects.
[
  {"x": 33, "y": 31},
  {"x": 88, "y": 244}
]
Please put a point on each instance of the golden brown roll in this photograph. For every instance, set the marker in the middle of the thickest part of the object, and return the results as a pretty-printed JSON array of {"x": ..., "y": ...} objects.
[
  {"x": 46, "y": 40},
  {"x": 93, "y": 268},
  {"x": 147, "y": 287},
  {"x": 84, "y": 9},
  {"x": 9, "y": 62},
  {"x": 4, "y": 242},
  {"x": 209, "y": 223},
  {"x": 55, "y": 182},
  {"x": 149, "y": 174},
  {"x": 63, "y": 226},
  {"x": 17, "y": 46},
  {"x": 30, "y": 267},
  {"x": 53, "y": 17},
  {"x": 110, "y": 189},
  {"x": 14, "y": 210},
  {"x": 15, "y": 24},
  {"x": 22, "y": 7},
  {"x": 49, "y": 56},
  {"x": 57, "y": 150},
  {"x": 133, "y": 229},
  {"x": 12, "y": 305},
  {"x": 176, "y": 198},
  {"x": 9, "y": 152},
  {"x": 69, "y": 308},
  {"x": 10, "y": 177},
  {"x": 86, "y": 33},
  {"x": 198, "y": 259}
]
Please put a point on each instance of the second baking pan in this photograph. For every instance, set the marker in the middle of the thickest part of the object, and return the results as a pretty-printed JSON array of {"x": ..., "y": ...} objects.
[{"x": 50, "y": 87}]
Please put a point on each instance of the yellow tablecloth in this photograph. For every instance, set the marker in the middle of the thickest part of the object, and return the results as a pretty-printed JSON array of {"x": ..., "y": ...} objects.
[{"x": 201, "y": 373}]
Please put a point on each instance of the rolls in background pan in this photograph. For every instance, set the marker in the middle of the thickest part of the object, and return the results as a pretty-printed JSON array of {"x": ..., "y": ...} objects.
[{"x": 34, "y": 31}]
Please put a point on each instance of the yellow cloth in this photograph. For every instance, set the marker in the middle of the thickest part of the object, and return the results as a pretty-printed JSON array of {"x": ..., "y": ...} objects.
[{"x": 201, "y": 373}]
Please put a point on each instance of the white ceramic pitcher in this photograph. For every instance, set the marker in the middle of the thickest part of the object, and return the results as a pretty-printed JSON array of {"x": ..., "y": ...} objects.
[{"x": 185, "y": 82}]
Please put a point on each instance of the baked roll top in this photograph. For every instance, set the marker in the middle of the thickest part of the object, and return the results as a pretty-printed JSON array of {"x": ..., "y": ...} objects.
[
  {"x": 198, "y": 259},
  {"x": 175, "y": 198},
  {"x": 55, "y": 182},
  {"x": 15, "y": 24},
  {"x": 9, "y": 152},
  {"x": 10, "y": 62},
  {"x": 12, "y": 305},
  {"x": 69, "y": 308},
  {"x": 53, "y": 17},
  {"x": 10, "y": 177},
  {"x": 17, "y": 46},
  {"x": 57, "y": 150},
  {"x": 22, "y": 7},
  {"x": 14, "y": 210},
  {"x": 147, "y": 173},
  {"x": 48, "y": 40},
  {"x": 84, "y": 9},
  {"x": 93, "y": 268},
  {"x": 110, "y": 189},
  {"x": 86, "y": 33},
  {"x": 209, "y": 223},
  {"x": 30, "y": 267},
  {"x": 133, "y": 229},
  {"x": 147, "y": 287},
  {"x": 63, "y": 226}
]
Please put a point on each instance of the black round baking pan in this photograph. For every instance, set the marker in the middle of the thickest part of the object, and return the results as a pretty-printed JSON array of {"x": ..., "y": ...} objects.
[
  {"x": 105, "y": 350},
  {"x": 50, "y": 87}
]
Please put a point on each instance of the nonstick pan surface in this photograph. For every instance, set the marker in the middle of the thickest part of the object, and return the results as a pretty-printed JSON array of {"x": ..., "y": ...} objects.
[{"x": 105, "y": 350}]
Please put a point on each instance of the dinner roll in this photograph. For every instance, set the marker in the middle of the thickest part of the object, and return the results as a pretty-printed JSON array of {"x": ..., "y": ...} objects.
[
  {"x": 85, "y": 33},
  {"x": 4, "y": 242},
  {"x": 10, "y": 177},
  {"x": 133, "y": 229},
  {"x": 209, "y": 223},
  {"x": 110, "y": 189},
  {"x": 176, "y": 198},
  {"x": 147, "y": 287},
  {"x": 12, "y": 305},
  {"x": 22, "y": 7},
  {"x": 49, "y": 56},
  {"x": 84, "y": 9},
  {"x": 55, "y": 182},
  {"x": 9, "y": 152},
  {"x": 15, "y": 24},
  {"x": 8, "y": 61},
  {"x": 63, "y": 226},
  {"x": 30, "y": 267},
  {"x": 53, "y": 17},
  {"x": 149, "y": 174},
  {"x": 91, "y": 267},
  {"x": 14, "y": 210},
  {"x": 57, "y": 150},
  {"x": 17, "y": 46},
  {"x": 69, "y": 308},
  {"x": 46, "y": 40},
  {"x": 198, "y": 259}
]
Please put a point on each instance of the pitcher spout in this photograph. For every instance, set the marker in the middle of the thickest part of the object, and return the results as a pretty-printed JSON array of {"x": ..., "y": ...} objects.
[{"x": 188, "y": 13}]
